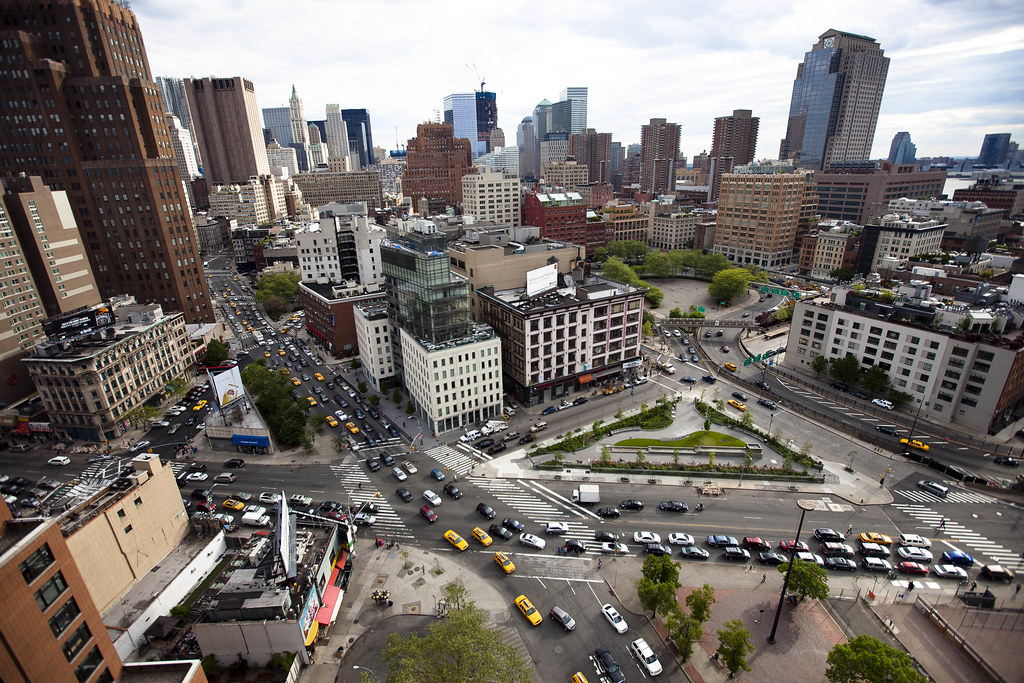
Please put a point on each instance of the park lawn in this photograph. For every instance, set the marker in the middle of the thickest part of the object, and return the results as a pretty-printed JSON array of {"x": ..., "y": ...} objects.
[{"x": 695, "y": 439}]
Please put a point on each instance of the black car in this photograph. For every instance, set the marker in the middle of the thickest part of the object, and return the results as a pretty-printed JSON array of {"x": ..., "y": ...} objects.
[
  {"x": 526, "y": 439},
  {"x": 579, "y": 400},
  {"x": 688, "y": 380},
  {"x": 770, "y": 405},
  {"x": 360, "y": 415},
  {"x": 691, "y": 552},
  {"x": 234, "y": 464},
  {"x": 824, "y": 534},
  {"x": 485, "y": 510},
  {"x": 608, "y": 512},
  {"x": 710, "y": 379},
  {"x": 840, "y": 563},
  {"x": 859, "y": 394},
  {"x": 739, "y": 395},
  {"x": 606, "y": 536},
  {"x": 1007, "y": 460},
  {"x": 452, "y": 491},
  {"x": 657, "y": 549},
  {"x": 575, "y": 546},
  {"x": 372, "y": 464},
  {"x": 496, "y": 448},
  {"x": 513, "y": 524},
  {"x": 764, "y": 386},
  {"x": 403, "y": 493},
  {"x": 197, "y": 467},
  {"x": 387, "y": 459},
  {"x": 497, "y": 530},
  {"x": 632, "y": 504},
  {"x": 886, "y": 429},
  {"x": 772, "y": 559},
  {"x": 673, "y": 506},
  {"x": 393, "y": 431},
  {"x": 608, "y": 665},
  {"x": 735, "y": 553},
  {"x": 373, "y": 413},
  {"x": 840, "y": 386}
]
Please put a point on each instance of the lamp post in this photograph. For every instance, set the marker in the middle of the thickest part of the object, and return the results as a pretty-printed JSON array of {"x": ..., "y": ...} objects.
[
  {"x": 771, "y": 418},
  {"x": 804, "y": 506},
  {"x": 365, "y": 668}
]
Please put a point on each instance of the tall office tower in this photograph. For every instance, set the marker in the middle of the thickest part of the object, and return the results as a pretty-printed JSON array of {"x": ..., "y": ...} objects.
[
  {"x": 994, "y": 149},
  {"x": 460, "y": 112},
  {"x": 736, "y": 136},
  {"x": 758, "y": 217},
  {"x": 593, "y": 150},
  {"x": 360, "y": 137},
  {"x": 147, "y": 245},
  {"x": 435, "y": 162},
  {"x": 659, "y": 147},
  {"x": 300, "y": 132},
  {"x": 578, "y": 118},
  {"x": 283, "y": 157},
  {"x": 554, "y": 147},
  {"x": 560, "y": 120},
  {"x": 486, "y": 118},
  {"x": 185, "y": 155},
  {"x": 836, "y": 97},
  {"x": 529, "y": 152},
  {"x": 337, "y": 136},
  {"x": 228, "y": 130},
  {"x": 278, "y": 121},
  {"x": 172, "y": 92},
  {"x": 902, "y": 150},
  {"x": 618, "y": 156},
  {"x": 318, "y": 152}
]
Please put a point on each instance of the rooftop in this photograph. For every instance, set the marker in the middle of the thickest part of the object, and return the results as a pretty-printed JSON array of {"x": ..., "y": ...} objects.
[{"x": 568, "y": 295}]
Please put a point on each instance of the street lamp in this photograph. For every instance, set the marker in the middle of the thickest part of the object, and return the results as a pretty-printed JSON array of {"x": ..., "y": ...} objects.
[
  {"x": 804, "y": 506},
  {"x": 365, "y": 668},
  {"x": 770, "y": 419}
]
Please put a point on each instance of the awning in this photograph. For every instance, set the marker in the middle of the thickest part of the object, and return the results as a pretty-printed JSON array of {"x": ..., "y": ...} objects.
[
  {"x": 247, "y": 440},
  {"x": 332, "y": 602},
  {"x": 314, "y": 628},
  {"x": 586, "y": 378}
]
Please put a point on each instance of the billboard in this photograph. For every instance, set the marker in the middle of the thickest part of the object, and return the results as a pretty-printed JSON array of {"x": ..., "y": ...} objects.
[
  {"x": 77, "y": 322},
  {"x": 227, "y": 386},
  {"x": 541, "y": 279}
]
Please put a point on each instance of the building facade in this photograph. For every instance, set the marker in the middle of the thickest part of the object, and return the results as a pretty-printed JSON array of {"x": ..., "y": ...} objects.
[
  {"x": 1007, "y": 196},
  {"x": 373, "y": 335},
  {"x": 994, "y": 149},
  {"x": 853, "y": 192},
  {"x": 330, "y": 313},
  {"x": 897, "y": 238},
  {"x": 360, "y": 137},
  {"x": 671, "y": 228},
  {"x": 963, "y": 220},
  {"x": 436, "y": 161},
  {"x": 227, "y": 128},
  {"x": 569, "y": 174},
  {"x": 902, "y": 150},
  {"x": 492, "y": 196},
  {"x": 337, "y": 137},
  {"x": 759, "y": 217},
  {"x": 593, "y": 150},
  {"x": 736, "y": 136},
  {"x": 324, "y": 187},
  {"x": 561, "y": 216},
  {"x": 833, "y": 245},
  {"x": 659, "y": 148},
  {"x": 626, "y": 222},
  {"x": 577, "y": 98}
]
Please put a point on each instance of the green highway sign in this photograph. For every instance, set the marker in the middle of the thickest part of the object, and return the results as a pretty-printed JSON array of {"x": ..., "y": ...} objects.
[
  {"x": 792, "y": 293},
  {"x": 753, "y": 359},
  {"x": 700, "y": 309}
]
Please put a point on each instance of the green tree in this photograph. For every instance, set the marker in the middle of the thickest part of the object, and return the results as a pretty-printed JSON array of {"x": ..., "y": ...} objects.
[
  {"x": 640, "y": 457},
  {"x": 177, "y": 386},
  {"x": 659, "y": 598},
  {"x": 275, "y": 306},
  {"x": 601, "y": 254},
  {"x": 807, "y": 579},
  {"x": 845, "y": 369},
  {"x": 615, "y": 269},
  {"x": 410, "y": 408},
  {"x": 747, "y": 420},
  {"x": 898, "y": 398},
  {"x": 684, "y": 631},
  {"x": 785, "y": 311},
  {"x": 676, "y": 312},
  {"x": 216, "y": 352},
  {"x": 661, "y": 570},
  {"x": 659, "y": 264},
  {"x": 875, "y": 380},
  {"x": 868, "y": 660},
  {"x": 606, "y": 455},
  {"x": 819, "y": 364},
  {"x": 734, "y": 645},
  {"x": 700, "y": 602},
  {"x": 648, "y": 329},
  {"x": 843, "y": 274},
  {"x": 361, "y": 387},
  {"x": 373, "y": 400},
  {"x": 316, "y": 421},
  {"x": 396, "y": 396},
  {"x": 728, "y": 285}
]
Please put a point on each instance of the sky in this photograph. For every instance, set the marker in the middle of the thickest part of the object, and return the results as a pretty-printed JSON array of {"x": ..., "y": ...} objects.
[{"x": 955, "y": 72}]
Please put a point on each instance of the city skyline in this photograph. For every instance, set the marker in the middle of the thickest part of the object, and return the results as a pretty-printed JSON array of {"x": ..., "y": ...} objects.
[{"x": 951, "y": 79}]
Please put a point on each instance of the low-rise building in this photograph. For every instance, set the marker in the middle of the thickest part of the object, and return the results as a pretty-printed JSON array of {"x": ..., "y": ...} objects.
[
  {"x": 832, "y": 246},
  {"x": 561, "y": 216},
  {"x": 492, "y": 196},
  {"x": 963, "y": 220},
  {"x": 895, "y": 239},
  {"x": 672, "y": 226},
  {"x": 373, "y": 335},
  {"x": 849, "y": 191},
  {"x": 330, "y": 314},
  {"x": 626, "y": 222},
  {"x": 323, "y": 187},
  {"x": 1004, "y": 195}
]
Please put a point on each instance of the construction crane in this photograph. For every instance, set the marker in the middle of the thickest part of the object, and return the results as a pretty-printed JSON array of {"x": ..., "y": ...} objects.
[{"x": 476, "y": 72}]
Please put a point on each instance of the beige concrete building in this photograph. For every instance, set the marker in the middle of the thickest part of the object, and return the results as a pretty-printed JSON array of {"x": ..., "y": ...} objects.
[
  {"x": 671, "y": 228},
  {"x": 324, "y": 187},
  {"x": 758, "y": 217},
  {"x": 245, "y": 203},
  {"x": 827, "y": 249},
  {"x": 567, "y": 174},
  {"x": 963, "y": 219},
  {"x": 626, "y": 222},
  {"x": 895, "y": 239},
  {"x": 98, "y": 364},
  {"x": 373, "y": 332},
  {"x": 229, "y": 132},
  {"x": 283, "y": 157},
  {"x": 492, "y": 196}
]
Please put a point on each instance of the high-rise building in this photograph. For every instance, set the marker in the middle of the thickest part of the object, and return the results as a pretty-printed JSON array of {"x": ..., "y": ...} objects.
[
  {"x": 185, "y": 154},
  {"x": 529, "y": 150},
  {"x": 283, "y": 157},
  {"x": 736, "y": 136},
  {"x": 460, "y": 112},
  {"x": 758, "y": 217},
  {"x": 324, "y": 187},
  {"x": 360, "y": 137},
  {"x": 836, "y": 97},
  {"x": 143, "y": 244},
  {"x": 277, "y": 120},
  {"x": 300, "y": 130},
  {"x": 569, "y": 174},
  {"x": 994, "y": 149},
  {"x": 497, "y": 139},
  {"x": 577, "y": 96},
  {"x": 228, "y": 130},
  {"x": 554, "y": 147},
  {"x": 337, "y": 137},
  {"x": 436, "y": 161},
  {"x": 486, "y": 118},
  {"x": 659, "y": 147},
  {"x": 172, "y": 92},
  {"x": 492, "y": 196},
  {"x": 593, "y": 150},
  {"x": 852, "y": 192},
  {"x": 317, "y": 148},
  {"x": 902, "y": 150}
]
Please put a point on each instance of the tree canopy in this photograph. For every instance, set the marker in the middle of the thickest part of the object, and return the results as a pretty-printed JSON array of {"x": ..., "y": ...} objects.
[
  {"x": 868, "y": 660},
  {"x": 875, "y": 380},
  {"x": 272, "y": 392},
  {"x": 807, "y": 579},
  {"x": 616, "y": 269},
  {"x": 216, "y": 352},
  {"x": 734, "y": 645},
  {"x": 819, "y": 364},
  {"x": 728, "y": 285},
  {"x": 657, "y": 585},
  {"x": 845, "y": 369}
]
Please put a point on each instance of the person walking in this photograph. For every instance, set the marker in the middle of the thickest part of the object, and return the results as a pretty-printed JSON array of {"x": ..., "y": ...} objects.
[
  {"x": 849, "y": 530},
  {"x": 764, "y": 577}
]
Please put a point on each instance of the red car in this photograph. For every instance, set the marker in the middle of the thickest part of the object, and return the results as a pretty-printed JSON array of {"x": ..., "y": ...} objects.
[
  {"x": 787, "y": 546},
  {"x": 912, "y": 568},
  {"x": 753, "y": 542}
]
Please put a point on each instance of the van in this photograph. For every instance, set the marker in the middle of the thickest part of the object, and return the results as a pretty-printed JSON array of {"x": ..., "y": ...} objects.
[
  {"x": 914, "y": 541},
  {"x": 470, "y": 436},
  {"x": 20, "y": 447},
  {"x": 225, "y": 478},
  {"x": 933, "y": 487}
]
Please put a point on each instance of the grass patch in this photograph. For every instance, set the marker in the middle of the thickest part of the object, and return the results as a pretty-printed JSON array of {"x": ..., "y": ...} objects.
[{"x": 700, "y": 438}]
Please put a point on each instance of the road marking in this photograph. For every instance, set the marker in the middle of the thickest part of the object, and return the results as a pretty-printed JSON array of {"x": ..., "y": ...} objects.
[
  {"x": 562, "y": 501},
  {"x": 753, "y": 518},
  {"x": 557, "y": 578}
]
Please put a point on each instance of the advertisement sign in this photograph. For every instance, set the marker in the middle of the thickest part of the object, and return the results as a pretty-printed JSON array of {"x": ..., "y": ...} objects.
[
  {"x": 308, "y": 616},
  {"x": 227, "y": 386},
  {"x": 541, "y": 279},
  {"x": 79, "y": 321}
]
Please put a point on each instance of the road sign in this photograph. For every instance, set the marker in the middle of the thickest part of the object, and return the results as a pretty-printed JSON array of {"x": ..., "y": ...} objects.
[
  {"x": 700, "y": 309},
  {"x": 791, "y": 293}
]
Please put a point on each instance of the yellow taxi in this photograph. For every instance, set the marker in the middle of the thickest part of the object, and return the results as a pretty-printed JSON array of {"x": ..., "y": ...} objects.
[
  {"x": 235, "y": 279},
  {"x": 232, "y": 304},
  {"x": 266, "y": 354},
  {"x": 319, "y": 377},
  {"x": 296, "y": 381},
  {"x": 281, "y": 352},
  {"x": 736, "y": 404},
  {"x": 330, "y": 420},
  {"x": 482, "y": 536},
  {"x": 730, "y": 366},
  {"x": 232, "y": 504},
  {"x": 504, "y": 562},
  {"x": 351, "y": 426},
  {"x": 528, "y": 610},
  {"x": 875, "y": 537},
  {"x": 914, "y": 443},
  {"x": 578, "y": 677},
  {"x": 312, "y": 401},
  {"x": 285, "y": 329},
  {"x": 200, "y": 405},
  {"x": 458, "y": 541}
]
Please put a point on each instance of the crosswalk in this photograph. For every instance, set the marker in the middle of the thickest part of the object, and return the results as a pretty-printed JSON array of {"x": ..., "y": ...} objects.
[
  {"x": 976, "y": 545},
  {"x": 458, "y": 459},
  {"x": 954, "y": 496},
  {"x": 359, "y": 488},
  {"x": 535, "y": 504}
]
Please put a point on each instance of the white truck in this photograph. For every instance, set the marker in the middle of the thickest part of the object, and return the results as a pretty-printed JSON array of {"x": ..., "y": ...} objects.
[
  {"x": 493, "y": 427},
  {"x": 256, "y": 519},
  {"x": 587, "y": 493}
]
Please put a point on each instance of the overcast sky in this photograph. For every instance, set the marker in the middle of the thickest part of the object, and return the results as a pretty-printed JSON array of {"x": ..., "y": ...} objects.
[{"x": 955, "y": 72}]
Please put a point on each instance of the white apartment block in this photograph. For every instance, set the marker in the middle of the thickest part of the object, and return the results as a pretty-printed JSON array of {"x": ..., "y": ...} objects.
[
  {"x": 457, "y": 383},
  {"x": 901, "y": 237},
  {"x": 245, "y": 203},
  {"x": 373, "y": 335},
  {"x": 284, "y": 157},
  {"x": 671, "y": 230},
  {"x": 492, "y": 196},
  {"x": 316, "y": 246}
]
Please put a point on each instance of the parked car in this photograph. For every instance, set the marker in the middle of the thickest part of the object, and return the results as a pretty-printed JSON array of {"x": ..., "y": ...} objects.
[
  {"x": 614, "y": 618},
  {"x": 887, "y": 429}
]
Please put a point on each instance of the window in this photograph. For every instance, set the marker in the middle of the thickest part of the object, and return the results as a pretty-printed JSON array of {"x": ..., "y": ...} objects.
[
  {"x": 76, "y": 641},
  {"x": 63, "y": 617},
  {"x": 50, "y": 591},
  {"x": 960, "y": 351},
  {"x": 92, "y": 660},
  {"x": 36, "y": 563}
]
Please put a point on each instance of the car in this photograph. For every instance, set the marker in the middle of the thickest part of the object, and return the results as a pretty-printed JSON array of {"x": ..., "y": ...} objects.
[
  {"x": 949, "y": 571},
  {"x": 958, "y": 558},
  {"x": 511, "y": 436},
  {"x": 198, "y": 476},
  {"x": 614, "y": 618},
  {"x": 680, "y": 539},
  {"x": 613, "y": 548},
  {"x": 529, "y": 438},
  {"x": 482, "y": 536},
  {"x": 372, "y": 464},
  {"x": 364, "y": 519},
  {"x": 496, "y": 448},
  {"x": 311, "y": 400},
  {"x": 710, "y": 379},
  {"x": 409, "y": 467},
  {"x": 882, "y": 403},
  {"x": 399, "y": 474},
  {"x": 556, "y": 528},
  {"x": 739, "y": 395},
  {"x": 59, "y": 460},
  {"x": 859, "y": 394},
  {"x": 242, "y": 496},
  {"x": 694, "y": 358},
  {"x": 579, "y": 400},
  {"x": 387, "y": 459},
  {"x": 887, "y": 429},
  {"x": 351, "y": 427},
  {"x": 874, "y": 550},
  {"x": 513, "y": 524},
  {"x": 606, "y": 664},
  {"x": 457, "y": 541},
  {"x": 840, "y": 563},
  {"x": 140, "y": 446},
  {"x": 673, "y": 506},
  {"x": 770, "y": 405},
  {"x": 485, "y": 510},
  {"x": 234, "y": 464},
  {"x": 549, "y": 410},
  {"x": 827, "y": 535},
  {"x": 831, "y": 549},
  {"x": 645, "y": 655},
  {"x": 483, "y": 443},
  {"x": 560, "y": 616},
  {"x": 771, "y": 558},
  {"x": 763, "y": 386},
  {"x": 452, "y": 491},
  {"x": 1007, "y": 461},
  {"x": 914, "y": 443},
  {"x": 996, "y": 572},
  {"x": 608, "y": 512},
  {"x": 160, "y": 423},
  {"x": 725, "y": 349},
  {"x": 504, "y": 562},
  {"x": 657, "y": 549},
  {"x": 403, "y": 493},
  {"x": 644, "y": 537},
  {"x": 735, "y": 553},
  {"x": 632, "y": 504},
  {"x": 319, "y": 377},
  {"x": 437, "y": 474},
  {"x": 531, "y": 541},
  {"x": 528, "y": 610},
  {"x": 755, "y": 543},
  {"x": 431, "y": 498},
  {"x": 840, "y": 386},
  {"x": 233, "y": 504},
  {"x": 876, "y": 564},
  {"x": 874, "y": 537},
  {"x": 915, "y": 554},
  {"x": 428, "y": 513},
  {"x": 575, "y": 546},
  {"x": 688, "y": 380},
  {"x": 736, "y": 404},
  {"x": 606, "y": 536},
  {"x": 200, "y": 405},
  {"x": 500, "y": 531},
  {"x": 721, "y": 541},
  {"x": 914, "y": 540},
  {"x": 933, "y": 487},
  {"x": 911, "y": 568}
]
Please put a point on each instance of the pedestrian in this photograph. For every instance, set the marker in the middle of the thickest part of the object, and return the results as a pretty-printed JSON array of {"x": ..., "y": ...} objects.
[
  {"x": 974, "y": 585},
  {"x": 598, "y": 563},
  {"x": 1016, "y": 590},
  {"x": 910, "y": 586},
  {"x": 942, "y": 523},
  {"x": 424, "y": 569},
  {"x": 849, "y": 529},
  {"x": 360, "y": 484},
  {"x": 764, "y": 577}
]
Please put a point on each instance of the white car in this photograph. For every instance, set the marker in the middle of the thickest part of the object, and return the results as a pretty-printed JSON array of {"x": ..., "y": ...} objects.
[
  {"x": 882, "y": 403},
  {"x": 431, "y": 498},
  {"x": 614, "y": 618},
  {"x": 556, "y": 528},
  {"x": 409, "y": 467},
  {"x": 613, "y": 548},
  {"x": 161, "y": 423},
  {"x": 949, "y": 571},
  {"x": 810, "y": 558},
  {"x": 915, "y": 554},
  {"x": 645, "y": 655},
  {"x": 914, "y": 540},
  {"x": 60, "y": 460},
  {"x": 140, "y": 446},
  {"x": 681, "y": 539},
  {"x": 365, "y": 518},
  {"x": 645, "y": 537},
  {"x": 399, "y": 474},
  {"x": 341, "y": 414},
  {"x": 531, "y": 541},
  {"x": 198, "y": 476},
  {"x": 271, "y": 498}
]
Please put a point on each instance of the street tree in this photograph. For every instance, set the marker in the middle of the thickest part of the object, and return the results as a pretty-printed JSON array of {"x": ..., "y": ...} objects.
[
  {"x": 616, "y": 269},
  {"x": 845, "y": 369},
  {"x": 659, "y": 598},
  {"x": 684, "y": 631},
  {"x": 700, "y": 602},
  {"x": 819, "y": 364},
  {"x": 361, "y": 387},
  {"x": 676, "y": 312},
  {"x": 216, "y": 352},
  {"x": 807, "y": 579},
  {"x": 728, "y": 285},
  {"x": 316, "y": 421},
  {"x": 661, "y": 570},
  {"x": 842, "y": 274},
  {"x": 875, "y": 380},
  {"x": 747, "y": 420},
  {"x": 868, "y": 660},
  {"x": 898, "y": 398},
  {"x": 396, "y": 396},
  {"x": 373, "y": 400},
  {"x": 659, "y": 264},
  {"x": 734, "y": 645}
]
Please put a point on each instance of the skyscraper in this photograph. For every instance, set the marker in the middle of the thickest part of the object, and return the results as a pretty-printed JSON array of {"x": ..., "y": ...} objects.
[
  {"x": 902, "y": 150},
  {"x": 337, "y": 136},
  {"x": 460, "y": 112},
  {"x": 578, "y": 118},
  {"x": 529, "y": 152},
  {"x": 659, "y": 147},
  {"x": 759, "y": 228},
  {"x": 994, "y": 149},
  {"x": 486, "y": 118},
  {"x": 435, "y": 162},
  {"x": 594, "y": 150},
  {"x": 144, "y": 245},
  {"x": 228, "y": 129},
  {"x": 836, "y": 97},
  {"x": 300, "y": 132},
  {"x": 278, "y": 121},
  {"x": 360, "y": 137},
  {"x": 736, "y": 136},
  {"x": 172, "y": 92}
]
